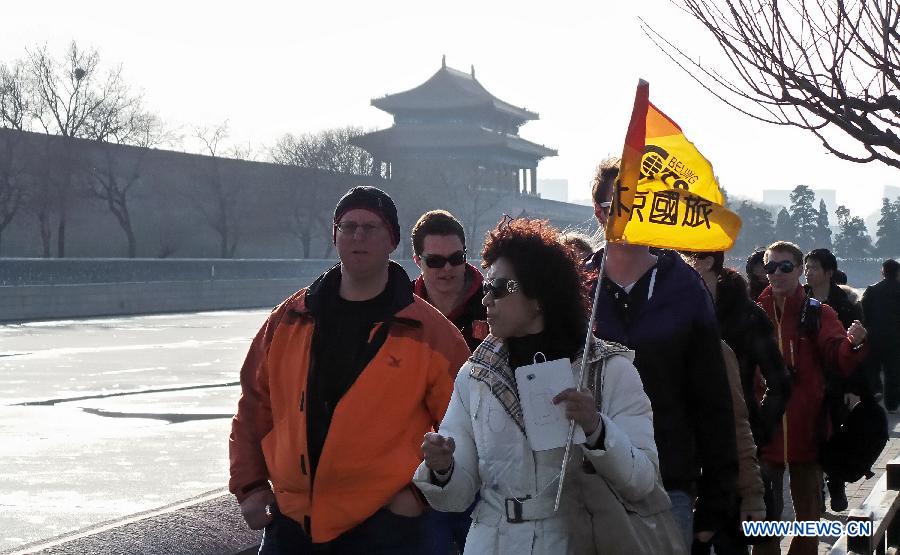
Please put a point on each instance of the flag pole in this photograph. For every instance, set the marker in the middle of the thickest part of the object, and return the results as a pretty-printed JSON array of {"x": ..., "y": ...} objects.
[
  {"x": 613, "y": 231},
  {"x": 582, "y": 373}
]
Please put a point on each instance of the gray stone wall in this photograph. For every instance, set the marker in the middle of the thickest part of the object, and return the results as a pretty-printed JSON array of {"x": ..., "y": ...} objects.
[
  {"x": 166, "y": 287},
  {"x": 177, "y": 201}
]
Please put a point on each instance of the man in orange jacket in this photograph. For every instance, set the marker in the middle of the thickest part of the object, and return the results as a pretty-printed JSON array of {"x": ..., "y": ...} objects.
[{"x": 338, "y": 387}]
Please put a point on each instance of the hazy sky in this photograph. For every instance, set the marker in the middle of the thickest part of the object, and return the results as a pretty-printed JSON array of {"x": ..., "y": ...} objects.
[{"x": 277, "y": 67}]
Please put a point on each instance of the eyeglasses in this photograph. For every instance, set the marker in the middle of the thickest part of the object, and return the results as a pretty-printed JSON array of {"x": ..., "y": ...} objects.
[
  {"x": 786, "y": 267},
  {"x": 349, "y": 228},
  {"x": 500, "y": 287},
  {"x": 439, "y": 261}
]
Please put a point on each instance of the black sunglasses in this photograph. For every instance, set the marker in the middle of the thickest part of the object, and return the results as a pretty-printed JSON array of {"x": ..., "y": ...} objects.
[
  {"x": 786, "y": 267},
  {"x": 500, "y": 287},
  {"x": 439, "y": 261}
]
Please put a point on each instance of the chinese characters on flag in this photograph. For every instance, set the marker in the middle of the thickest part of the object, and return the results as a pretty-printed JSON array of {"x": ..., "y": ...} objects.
[{"x": 667, "y": 195}]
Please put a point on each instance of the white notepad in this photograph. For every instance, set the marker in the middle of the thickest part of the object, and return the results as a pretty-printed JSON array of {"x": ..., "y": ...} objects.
[{"x": 546, "y": 424}]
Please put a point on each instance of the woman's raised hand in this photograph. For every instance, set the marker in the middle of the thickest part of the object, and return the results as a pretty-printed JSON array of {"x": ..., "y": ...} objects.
[{"x": 438, "y": 452}]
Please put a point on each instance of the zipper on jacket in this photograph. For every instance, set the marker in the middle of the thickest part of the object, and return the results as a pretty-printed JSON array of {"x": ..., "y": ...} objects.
[{"x": 784, "y": 418}]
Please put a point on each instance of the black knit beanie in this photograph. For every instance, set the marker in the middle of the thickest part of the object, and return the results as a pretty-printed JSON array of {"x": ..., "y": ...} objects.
[{"x": 374, "y": 200}]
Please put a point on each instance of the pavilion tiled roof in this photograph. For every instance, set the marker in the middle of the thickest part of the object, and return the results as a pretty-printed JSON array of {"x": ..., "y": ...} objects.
[
  {"x": 449, "y": 89},
  {"x": 445, "y": 136}
]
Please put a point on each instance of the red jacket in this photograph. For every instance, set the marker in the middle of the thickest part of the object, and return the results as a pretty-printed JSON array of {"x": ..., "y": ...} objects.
[
  {"x": 470, "y": 317},
  {"x": 806, "y": 425}
]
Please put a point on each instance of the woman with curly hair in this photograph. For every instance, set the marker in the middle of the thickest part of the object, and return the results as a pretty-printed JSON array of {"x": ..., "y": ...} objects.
[{"x": 536, "y": 304}]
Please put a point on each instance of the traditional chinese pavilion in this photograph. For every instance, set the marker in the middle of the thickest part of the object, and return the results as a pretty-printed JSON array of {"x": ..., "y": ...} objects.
[{"x": 452, "y": 121}]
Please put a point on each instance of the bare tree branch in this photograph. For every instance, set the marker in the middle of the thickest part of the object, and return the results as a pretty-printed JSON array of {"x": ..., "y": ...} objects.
[
  {"x": 828, "y": 67},
  {"x": 15, "y": 104},
  {"x": 328, "y": 150},
  {"x": 210, "y": 137},
  {"x": 220, "y": 198}
]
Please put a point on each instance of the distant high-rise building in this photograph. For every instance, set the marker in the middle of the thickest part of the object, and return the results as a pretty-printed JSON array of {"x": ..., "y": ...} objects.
[
  {"x": 554, "y": 189},
  {"x": 782, "y": 198},
  {"x": 891, "y": 192}
]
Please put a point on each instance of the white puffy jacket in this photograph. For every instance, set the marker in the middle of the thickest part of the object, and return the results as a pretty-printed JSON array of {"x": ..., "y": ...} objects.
[{"x": 493, "y": 455}]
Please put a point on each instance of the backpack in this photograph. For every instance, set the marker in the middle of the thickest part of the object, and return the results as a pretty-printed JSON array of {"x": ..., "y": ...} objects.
[
  {"x": 835, "y": 386},
  {"x": 811, "y": 317},
  {"x": 850, "y": 452}
]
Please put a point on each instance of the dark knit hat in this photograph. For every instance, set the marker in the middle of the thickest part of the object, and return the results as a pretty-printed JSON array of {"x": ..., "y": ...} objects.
[{"x": 374, "y": 200}]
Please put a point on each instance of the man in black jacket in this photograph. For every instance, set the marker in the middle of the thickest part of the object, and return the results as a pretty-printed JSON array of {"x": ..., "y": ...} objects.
[
  {"x": 819, "y": 267},
  {"x": 757, "y": 280},
  {"x": 652, "y": 302},
  {"x": 748, "y": 331},
  {"x": 881, "y": 306}
]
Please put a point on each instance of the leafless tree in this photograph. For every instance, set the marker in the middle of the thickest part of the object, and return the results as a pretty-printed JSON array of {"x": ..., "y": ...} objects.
[
  {"x": 328, "y": 150},
  {"x": 71, "y": 97},
  {"x": 476, "y": 194},
  {"x": 220, "y": 201},
  {"x": 477, "y": 207},
  {"x": 472, "y": 193},
  {"x": 57, "y": 179},
  {"x": 305, "y": 206},
  {"x": 116, "y": 172},
  {"x": 12, "y": 179},
  {"x": 15, "y": 103},
  {"x": 14, "y": 108},
  {"x": 308, "y": 203},
  {"x": 211, "y": 138},
  {"x": 831, "y": 67}
]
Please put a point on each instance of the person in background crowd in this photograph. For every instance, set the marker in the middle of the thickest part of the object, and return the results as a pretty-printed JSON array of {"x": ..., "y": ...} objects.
[
  {"x": 536, "y": 308},
  {"x": 839, "y": 277},
  {"x": 756, "y": 275},
  {"x": 453, "y": 287},
  {"x": 881, "y": 307},
  {"x": 811, "y": 337},
  {"x": 853, "y": 294},
  {"x": 581, "y": 243},
  {"x": 820, "y": 267},
  {"x": 747, "y": 331},
  {"x": 447, "y": 281},
  {"x": 338, "y": 386},
  {"x": 654, "y": 303}
]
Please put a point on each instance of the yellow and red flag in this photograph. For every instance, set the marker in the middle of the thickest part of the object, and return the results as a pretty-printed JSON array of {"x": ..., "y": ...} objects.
[{"x": 667, "y": 194}]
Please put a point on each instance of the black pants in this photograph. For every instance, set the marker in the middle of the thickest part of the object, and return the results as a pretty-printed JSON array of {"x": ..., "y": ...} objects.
[
  {"x": 886, "y": 358},
  {"x": 383, "y": 533},
  {"x": 447, "y": 532}
]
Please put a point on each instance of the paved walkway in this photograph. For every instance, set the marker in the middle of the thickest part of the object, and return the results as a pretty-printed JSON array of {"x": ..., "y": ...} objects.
[{"x": 858, "y": 491}]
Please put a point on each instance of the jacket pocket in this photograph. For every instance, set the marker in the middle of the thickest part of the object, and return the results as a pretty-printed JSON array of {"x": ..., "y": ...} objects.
[{"x": 284, "y": 458}]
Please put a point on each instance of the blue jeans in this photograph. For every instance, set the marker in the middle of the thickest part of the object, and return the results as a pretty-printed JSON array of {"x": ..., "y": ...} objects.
[
  {"x": 683, "y": 511},
  {"x": 383, "y": 533},
  {"x": 445, "y": 529}
]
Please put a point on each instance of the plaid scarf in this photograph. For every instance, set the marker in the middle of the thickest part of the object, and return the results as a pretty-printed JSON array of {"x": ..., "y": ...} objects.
[{"x": 490, "y": 365}]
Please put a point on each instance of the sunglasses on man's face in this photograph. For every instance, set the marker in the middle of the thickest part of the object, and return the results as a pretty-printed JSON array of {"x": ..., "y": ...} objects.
[
  {"x": 437, "y": 261},
  {"x": 500, "y": 287},
  {"x": 786, "y": 267}
]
